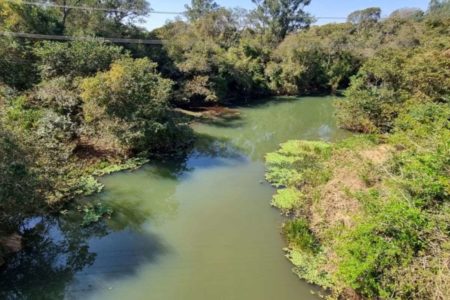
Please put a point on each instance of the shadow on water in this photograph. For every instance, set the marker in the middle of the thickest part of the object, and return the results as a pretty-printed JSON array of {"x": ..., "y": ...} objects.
[
  {"x": 274, "y": 100},
  {"x": 58, "y": 251},
  {"x": 225, "y": 122},
  {"x": 51, "y": 255},
  {"x": 215, "y": 151},
  {"x": 65, "y": 257}
]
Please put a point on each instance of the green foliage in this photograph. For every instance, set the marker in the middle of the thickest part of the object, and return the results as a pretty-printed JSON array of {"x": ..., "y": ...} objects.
[
  {"x": 70, "y": 111},
  {"x": 197, "y": 51},
  {"x": 390, "y": 235},
  {"x": 387, "y": 82},
  {"x": 20, "y": 115},
  {"x": 78, "y": 58},
  {"x": 17, "y": 17},
  {"x": 19, "y": 186},
  {"x": 365, "y": 16},
  {"x": 295, "y": 163},
  {"x": 375, "y": 95},
  {"x": 88, "y": 185},
  {"x": 287, "y": 199},
  {"x": 424, "y": 132},
  {"x": 219, "y": 56},
  {"x": 16, "y": 63},
  {"x": 308, "y": 266},
  {"x": 299, "y": 235},
  {"x": 282, "y": 17},
  {"x": 56, "y": 133},
  {"x": 245, "y": 64},
  {"x": 130, "y": 103},
  {"x": 298, "y": 65},
  {"x": 58, "y": 94},
  {"x": 107, "y": 168},
  {"x": 407, "y": 13},
  {"x": 200, "y": 8}
]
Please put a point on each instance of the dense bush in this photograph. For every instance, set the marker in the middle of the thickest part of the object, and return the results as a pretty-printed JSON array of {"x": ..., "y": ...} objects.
[
  {"x": 391, "y": 80},
  {"x": 197, "y": 51},
  {"x": 131, "y": 103},
  {"x": 16, "y": 64},
  {"x": 423, "y": 131},
  {"x": 319, "y": 60},
  {"x": 18, "y": 184},
  {"x": 78, "y": 58}
]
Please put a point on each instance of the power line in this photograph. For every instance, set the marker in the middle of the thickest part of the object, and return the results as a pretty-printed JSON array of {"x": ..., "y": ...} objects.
[
  {"x": 90, "y": 8},
  {"x": 79, "y": 38}
]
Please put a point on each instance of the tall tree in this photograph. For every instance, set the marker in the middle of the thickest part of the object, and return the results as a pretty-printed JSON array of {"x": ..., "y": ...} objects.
[
  {"x": 127, "y": 9},
  {"x": 106, "y": 14},
  {"x": 199, "y": 8},
  {"x": 282, "y": 16},
  {"x": 66, "y": 8}
]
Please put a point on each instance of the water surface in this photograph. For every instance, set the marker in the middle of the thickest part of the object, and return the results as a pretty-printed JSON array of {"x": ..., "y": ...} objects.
[{"x": 199, "y": 227}]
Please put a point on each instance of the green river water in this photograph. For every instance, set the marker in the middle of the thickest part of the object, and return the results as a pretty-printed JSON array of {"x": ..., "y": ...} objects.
[{"x": 199, "y": 227}]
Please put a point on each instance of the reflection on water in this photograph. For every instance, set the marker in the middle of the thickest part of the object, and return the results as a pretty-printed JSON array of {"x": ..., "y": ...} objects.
[
  {"x": 263, "y": 127},
  {"x": 195, "y": 227},
  {"x": 54, "y": 252}
]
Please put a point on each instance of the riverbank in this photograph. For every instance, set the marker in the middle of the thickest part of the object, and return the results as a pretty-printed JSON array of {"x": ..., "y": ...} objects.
[{"x": 367, "y": 216}]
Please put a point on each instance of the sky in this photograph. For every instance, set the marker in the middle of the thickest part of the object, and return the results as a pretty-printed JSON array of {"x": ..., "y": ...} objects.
[{"x": 318, "y": 8}]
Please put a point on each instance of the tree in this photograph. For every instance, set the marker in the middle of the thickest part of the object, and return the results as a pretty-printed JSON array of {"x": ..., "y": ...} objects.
[
  {"x": 197, "y": 51},
  {"x": 200, "y": 8},
  {"x": 318, "y": 59},
  {"x": 128, "y": 9},
  {"x": 365, "y": 16},
  {"x": 66, "y": 8},
  {"x": 282, "y": 16},
  {"x": 18, "y": 17}
]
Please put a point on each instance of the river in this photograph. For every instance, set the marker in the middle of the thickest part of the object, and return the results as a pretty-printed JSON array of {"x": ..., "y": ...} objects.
[{"x": 198, "y": 227}]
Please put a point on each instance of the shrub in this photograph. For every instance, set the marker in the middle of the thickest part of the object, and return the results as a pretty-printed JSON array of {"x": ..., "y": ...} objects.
[
  {"x": 77, "y": 58},
  {"x": 300, "y": 236},
  {"x": 130, "y": 102}
]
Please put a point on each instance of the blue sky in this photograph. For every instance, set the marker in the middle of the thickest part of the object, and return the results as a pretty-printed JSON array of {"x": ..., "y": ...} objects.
[{"x": 322, "y": 8}]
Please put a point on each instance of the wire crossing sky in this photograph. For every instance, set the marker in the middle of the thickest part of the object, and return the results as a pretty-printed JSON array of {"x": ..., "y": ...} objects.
[{"x": 337, "y": 10}]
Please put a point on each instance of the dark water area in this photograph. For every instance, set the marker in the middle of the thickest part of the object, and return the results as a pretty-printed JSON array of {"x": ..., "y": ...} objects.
[{"x": 199, "y": 227}]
